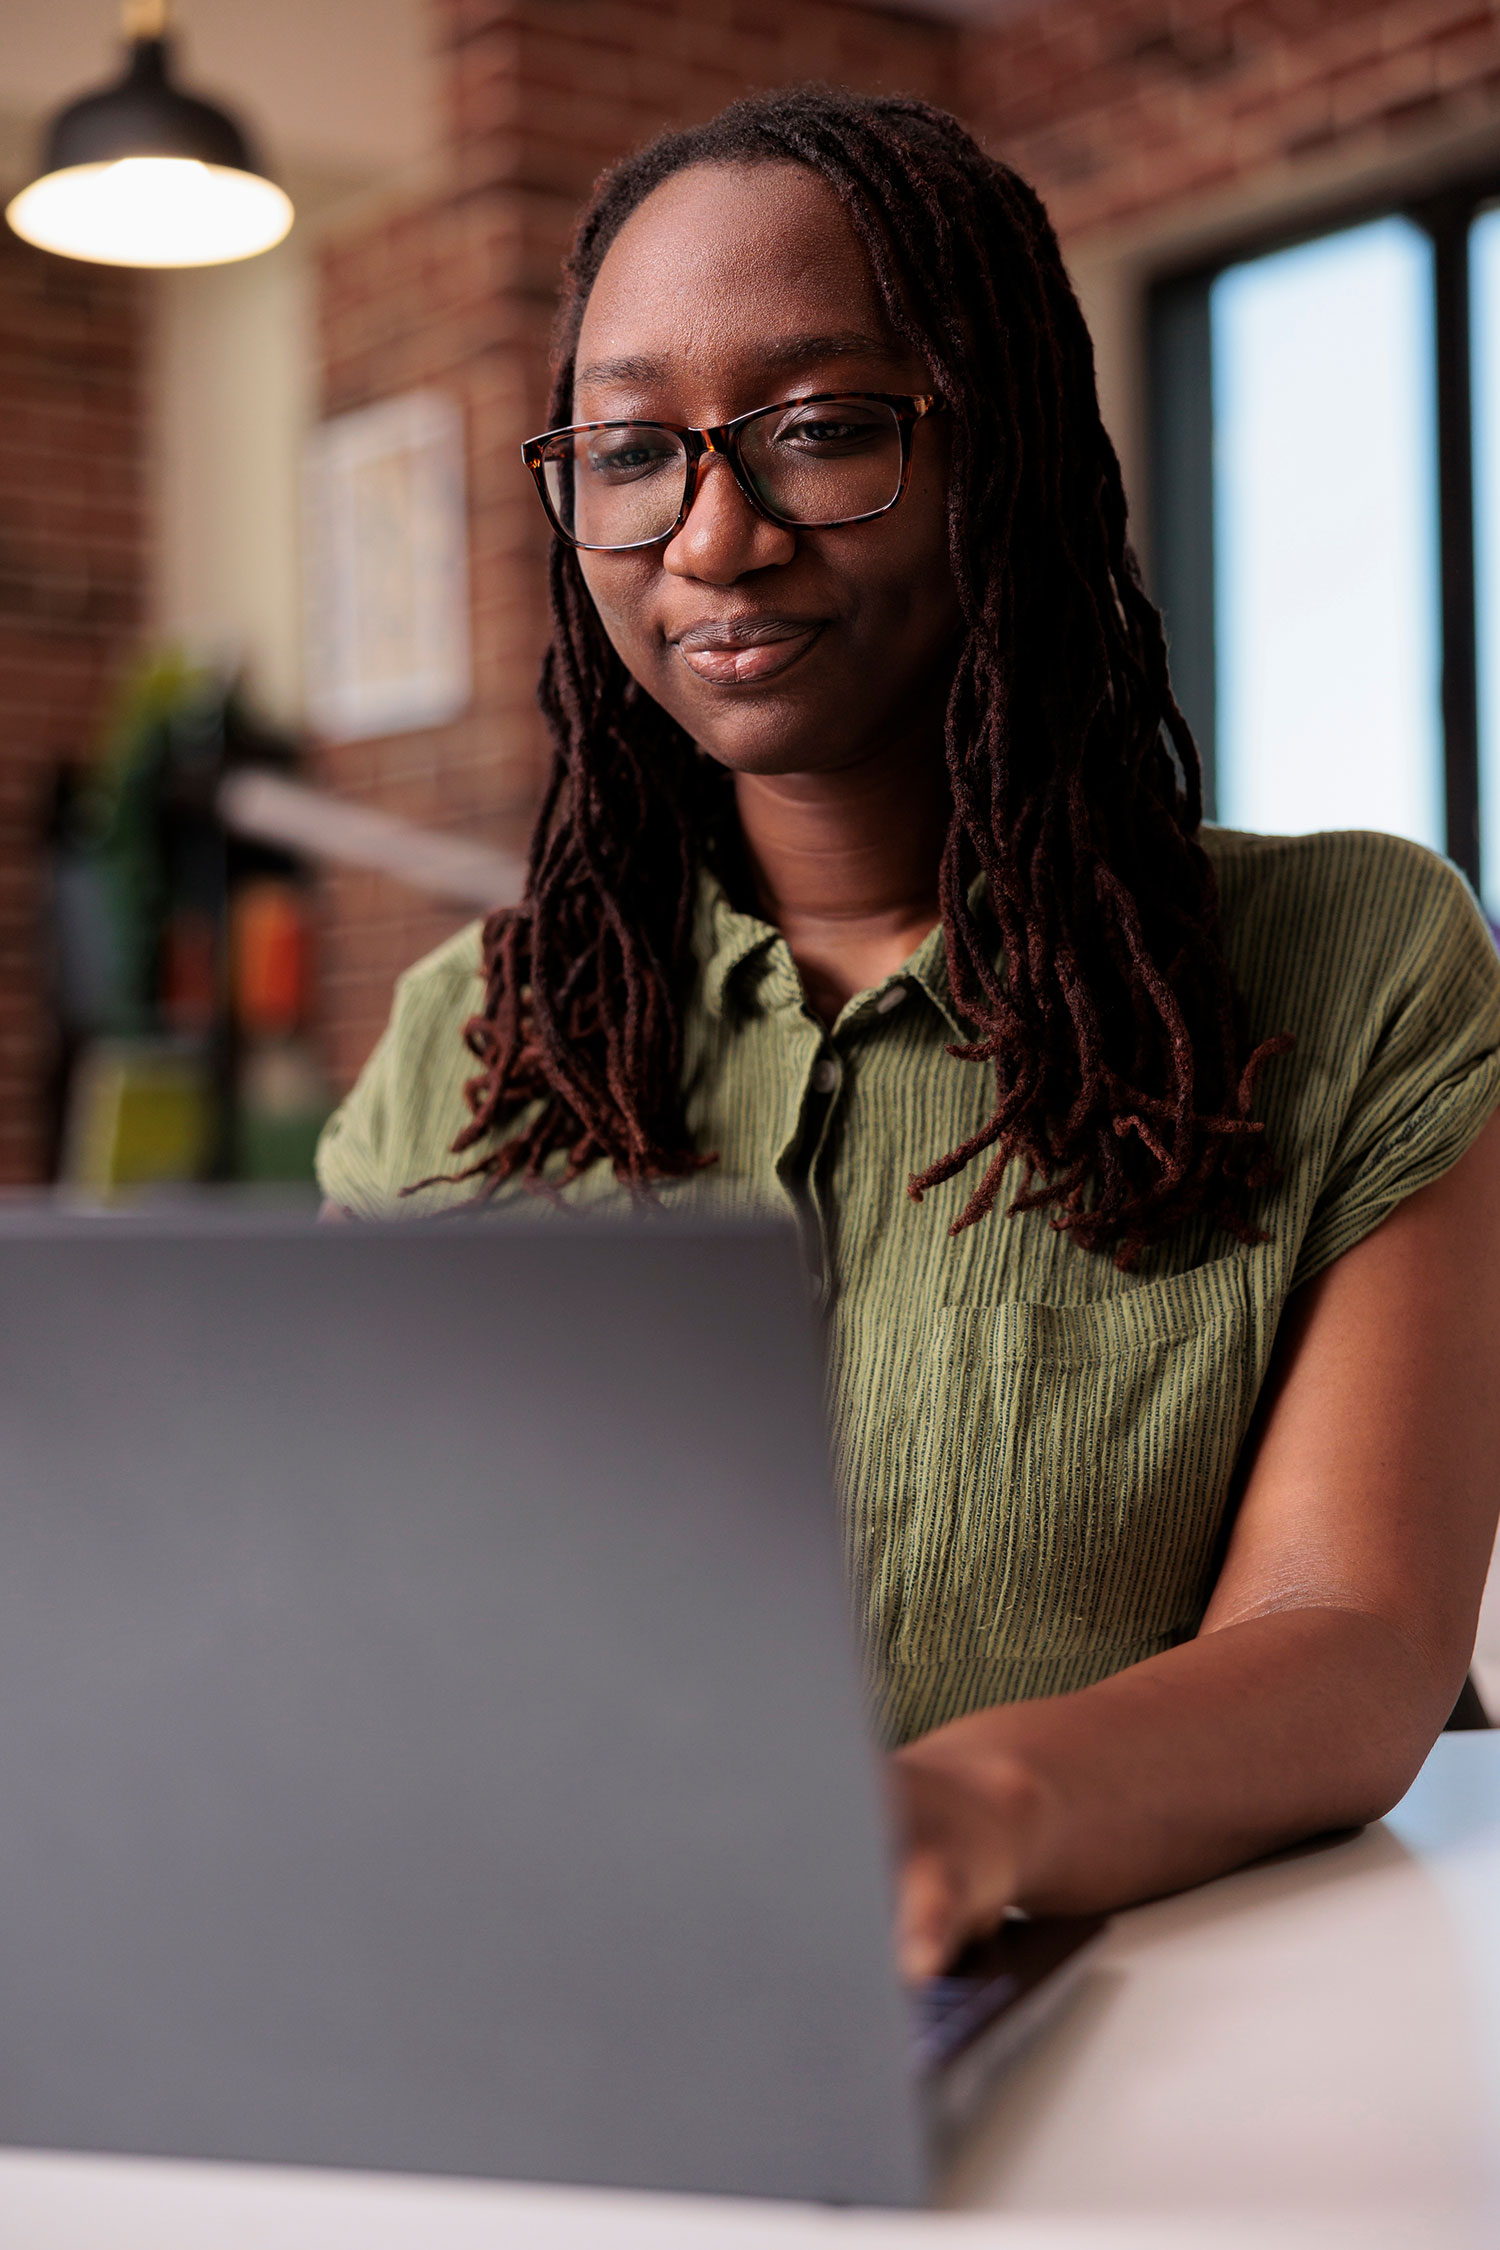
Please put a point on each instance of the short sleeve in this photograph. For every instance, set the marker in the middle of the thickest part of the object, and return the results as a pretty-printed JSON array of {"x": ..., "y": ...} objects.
[
  {"x": 397, "y": 1125},
  {"x": 1431, "y": 1073}
]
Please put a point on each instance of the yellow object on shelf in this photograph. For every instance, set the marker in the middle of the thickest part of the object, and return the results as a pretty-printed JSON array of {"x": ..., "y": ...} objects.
[{"x": 140, "y": 1112}]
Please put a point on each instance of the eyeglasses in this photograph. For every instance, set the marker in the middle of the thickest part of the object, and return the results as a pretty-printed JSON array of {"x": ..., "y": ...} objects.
[{"x": 812, "y": 463}]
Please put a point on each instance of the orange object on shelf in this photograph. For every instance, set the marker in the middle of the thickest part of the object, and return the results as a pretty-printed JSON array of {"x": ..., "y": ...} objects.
[
  {"x": 189, "y": 971},
  {"x": 269, "y": 956}
]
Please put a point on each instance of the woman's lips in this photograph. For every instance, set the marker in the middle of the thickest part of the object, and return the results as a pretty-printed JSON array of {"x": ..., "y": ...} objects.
[{"x": 738, "y": 654}]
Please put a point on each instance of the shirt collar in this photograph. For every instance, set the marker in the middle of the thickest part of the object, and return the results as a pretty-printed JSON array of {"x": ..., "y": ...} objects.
[
  {"x": 725, "y": 941},
  {"x": 928, "y": 970}
]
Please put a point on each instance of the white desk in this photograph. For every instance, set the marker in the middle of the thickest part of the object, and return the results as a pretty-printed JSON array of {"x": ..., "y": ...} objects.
[{"x": 1305, "y": 2055}]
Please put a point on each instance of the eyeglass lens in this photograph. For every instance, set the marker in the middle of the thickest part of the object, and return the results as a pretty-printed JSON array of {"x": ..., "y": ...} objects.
[{"x": 807, "y": 463}]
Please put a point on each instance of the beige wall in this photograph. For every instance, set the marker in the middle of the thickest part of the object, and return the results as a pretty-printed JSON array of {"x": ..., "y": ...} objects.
[
  {"x": 1111, "y": 293},
  {"x": 231, "y": 393}
]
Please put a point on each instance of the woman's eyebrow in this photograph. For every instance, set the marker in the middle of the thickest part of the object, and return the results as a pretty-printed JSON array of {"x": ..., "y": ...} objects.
[{"x": 786, "y": 352}]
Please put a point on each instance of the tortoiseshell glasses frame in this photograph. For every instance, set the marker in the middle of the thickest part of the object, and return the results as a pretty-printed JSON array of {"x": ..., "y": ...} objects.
[{"x": 554, "y": 449}]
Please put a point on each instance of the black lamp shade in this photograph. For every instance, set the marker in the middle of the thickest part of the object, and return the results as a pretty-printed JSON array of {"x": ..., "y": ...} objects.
[
  {"x": 142, "y": 174},
  {"x": 144, "y": 114}
]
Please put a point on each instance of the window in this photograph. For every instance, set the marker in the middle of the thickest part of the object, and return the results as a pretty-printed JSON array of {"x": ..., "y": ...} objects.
[{"x": 1326, "y": 527}]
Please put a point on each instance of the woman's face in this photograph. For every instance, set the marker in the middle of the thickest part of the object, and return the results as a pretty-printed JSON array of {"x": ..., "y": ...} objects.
[{"x": 779, "y": 651}]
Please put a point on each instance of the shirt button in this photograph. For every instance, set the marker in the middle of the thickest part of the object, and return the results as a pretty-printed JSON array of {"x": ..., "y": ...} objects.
[
  {"x": 892, "y": 997},
  {"x": 825, "y": 1075}
]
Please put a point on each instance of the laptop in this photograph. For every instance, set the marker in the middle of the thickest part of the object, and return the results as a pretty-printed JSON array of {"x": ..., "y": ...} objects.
[{"x": 432, "y": 1736}]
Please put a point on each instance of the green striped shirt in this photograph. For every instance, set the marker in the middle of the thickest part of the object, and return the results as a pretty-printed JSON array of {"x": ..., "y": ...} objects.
[{"x": 1036, "y": 1451}]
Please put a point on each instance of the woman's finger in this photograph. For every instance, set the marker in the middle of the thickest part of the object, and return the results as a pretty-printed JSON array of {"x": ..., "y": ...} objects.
[{"x": 928, "y": 1930}]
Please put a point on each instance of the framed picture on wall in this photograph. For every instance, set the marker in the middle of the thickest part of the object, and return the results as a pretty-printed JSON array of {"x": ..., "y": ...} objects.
[{"x": 386, "y": 580}]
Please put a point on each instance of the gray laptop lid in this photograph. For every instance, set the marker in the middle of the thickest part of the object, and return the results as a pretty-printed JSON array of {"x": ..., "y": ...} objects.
[{"x": 430, "y": 1734}]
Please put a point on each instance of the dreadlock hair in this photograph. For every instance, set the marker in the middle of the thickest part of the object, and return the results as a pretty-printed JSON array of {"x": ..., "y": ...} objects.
[{"x": 1105, "y": 1010}]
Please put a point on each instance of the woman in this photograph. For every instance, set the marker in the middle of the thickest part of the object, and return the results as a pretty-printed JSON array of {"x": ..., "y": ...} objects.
[{"x": 1146, "y": 1167}]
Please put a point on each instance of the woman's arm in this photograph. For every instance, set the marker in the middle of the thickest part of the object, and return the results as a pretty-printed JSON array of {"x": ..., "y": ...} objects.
[{"x": 1336, "y": 1640}]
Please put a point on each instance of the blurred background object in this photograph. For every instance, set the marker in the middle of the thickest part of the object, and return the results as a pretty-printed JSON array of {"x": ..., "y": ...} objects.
[
  {"x": 335, "y": 833},
  {"x": 386, "y": 569},
  {"x": 181, "y": 954}
]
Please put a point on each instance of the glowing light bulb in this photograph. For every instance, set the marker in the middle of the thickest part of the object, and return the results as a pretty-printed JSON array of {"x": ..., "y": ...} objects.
[{"x": 152, "y": 211}]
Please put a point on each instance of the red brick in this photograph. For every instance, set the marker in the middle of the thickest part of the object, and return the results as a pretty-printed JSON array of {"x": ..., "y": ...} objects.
[{"x": 73, "y": 558}]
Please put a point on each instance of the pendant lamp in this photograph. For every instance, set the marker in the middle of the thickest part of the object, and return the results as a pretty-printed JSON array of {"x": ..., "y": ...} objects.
[{"x": 142, "y": 174}]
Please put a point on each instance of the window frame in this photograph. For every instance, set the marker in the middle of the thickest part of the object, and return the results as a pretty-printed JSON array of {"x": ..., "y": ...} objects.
[{"x": 1180, "y": 437}]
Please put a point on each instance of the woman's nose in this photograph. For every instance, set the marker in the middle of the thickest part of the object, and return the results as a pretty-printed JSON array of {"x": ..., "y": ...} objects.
[{"x": 724, "y": 537}]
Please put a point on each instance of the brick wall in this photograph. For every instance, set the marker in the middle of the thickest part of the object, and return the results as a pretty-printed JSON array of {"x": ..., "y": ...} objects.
[
  {"x": 459, "y": 293},
  {"x": 72, "y": 582},
  {"x": 429, "y": 297},
  {"x": 1124, "y": 112}
]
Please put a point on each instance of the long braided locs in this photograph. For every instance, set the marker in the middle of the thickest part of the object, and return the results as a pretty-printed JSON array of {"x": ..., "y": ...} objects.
[{"x": 1089, "y": 966}]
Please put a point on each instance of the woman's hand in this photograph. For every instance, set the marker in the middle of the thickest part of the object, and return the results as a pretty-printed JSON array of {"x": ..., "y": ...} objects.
[{"x": 969, "y": 1828}]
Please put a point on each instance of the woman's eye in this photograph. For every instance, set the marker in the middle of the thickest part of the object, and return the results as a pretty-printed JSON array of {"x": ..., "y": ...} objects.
[
  {"x": 630, "y": 457},
  {"x": 825, "y": 431}
]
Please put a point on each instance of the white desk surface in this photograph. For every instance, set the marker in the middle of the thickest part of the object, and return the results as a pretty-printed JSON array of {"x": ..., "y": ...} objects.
[{"x": 1306, "y": 2055}]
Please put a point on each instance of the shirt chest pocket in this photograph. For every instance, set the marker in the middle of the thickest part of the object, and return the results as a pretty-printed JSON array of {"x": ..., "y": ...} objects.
[{"x": 1070, "y": 1469}]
